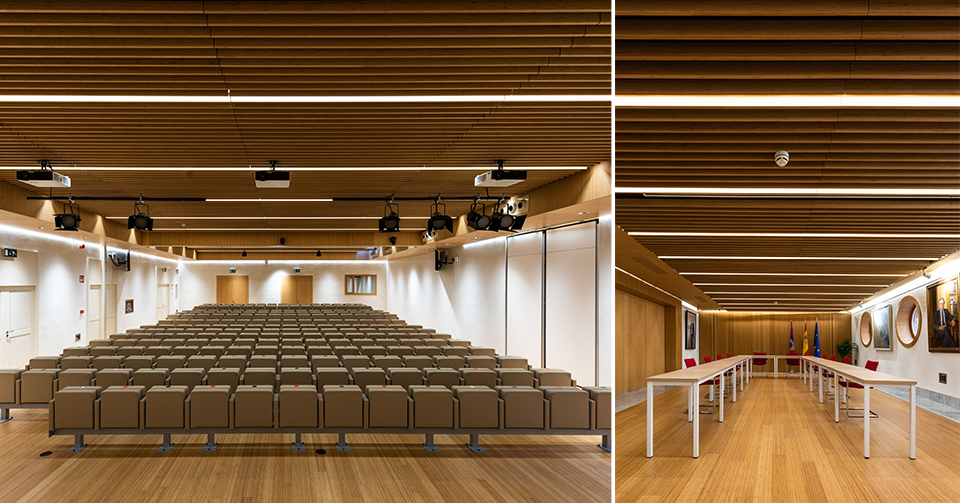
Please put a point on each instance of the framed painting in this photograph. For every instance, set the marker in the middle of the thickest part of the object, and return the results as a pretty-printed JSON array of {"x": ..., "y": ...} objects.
[
  {"x": 128, "y": 306},
  {"x": 943, "y": 326},
  {"x": 690, "y": 330},
  {"x": 881, "y": 328}
]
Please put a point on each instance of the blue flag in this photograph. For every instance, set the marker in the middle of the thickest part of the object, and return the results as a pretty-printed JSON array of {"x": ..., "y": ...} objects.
[{"x": 816, "y": 340}]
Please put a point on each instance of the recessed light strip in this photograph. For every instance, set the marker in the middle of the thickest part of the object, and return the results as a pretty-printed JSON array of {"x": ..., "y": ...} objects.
[
  {"x": 787, "y": 101},
  {"x": 270, "y": 218},
  {"x": 792, "y": 235},
  {"x": 791, "y": 284},
  {"x": 250, "y": 200},
  {"x": 682, "y": 302},
  {"x": 781, "y": 191},
  {"x": 307, "y": 168},
  {"x": 787, "y": 274},
  {"x": 287, "y": 229},
  {"x": 694, "y": 257},
  {"x": 858, "y": 295},
  {"x": 497, "y": 98}
]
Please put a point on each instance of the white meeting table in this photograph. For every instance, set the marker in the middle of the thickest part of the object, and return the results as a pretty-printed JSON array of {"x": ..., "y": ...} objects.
[
  {"x": 776, "y": 365},
  {"x": 692, "y": 377},
  {"x": 866, "y": 378}
]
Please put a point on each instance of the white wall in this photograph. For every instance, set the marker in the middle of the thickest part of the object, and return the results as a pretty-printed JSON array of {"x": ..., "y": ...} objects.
[
  {"x": 198, "y": 283},
  {"x": 605, "y": 301},
  {"x": 464, "y": 299},
  {"x": 916, "y": 362}
]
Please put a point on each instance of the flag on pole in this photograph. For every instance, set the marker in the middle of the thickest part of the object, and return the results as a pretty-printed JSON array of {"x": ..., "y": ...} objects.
[
  {"x": 816, "y": 340},
  {"x": 806, "y": 350},
  {"x": 793, "y": 347}
]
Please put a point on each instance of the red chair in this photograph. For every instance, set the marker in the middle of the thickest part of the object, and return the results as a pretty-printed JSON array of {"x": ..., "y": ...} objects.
[
  {"x": 706, "y": 359},
  {"x": 871, "y": 365},
  {"x": 728, "y": 355},
  {"x": 761, "y": 362},
  {"x": 792, "y": 362},
  {"x": 692, "y": 362},
  {"x": 846, "y": 359}
]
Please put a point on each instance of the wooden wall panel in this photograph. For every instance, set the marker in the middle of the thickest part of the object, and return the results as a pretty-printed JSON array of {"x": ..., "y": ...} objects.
[
  {"x": 640, "y": 341},
  {"x": 233, "y": 289},
  {"x": 746, "y": 333}
]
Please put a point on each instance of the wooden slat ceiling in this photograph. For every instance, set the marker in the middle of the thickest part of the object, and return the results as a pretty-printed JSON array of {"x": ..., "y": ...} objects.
[
  {"x": 251, "y": 48},
  {"x": 783, "y": 48}
]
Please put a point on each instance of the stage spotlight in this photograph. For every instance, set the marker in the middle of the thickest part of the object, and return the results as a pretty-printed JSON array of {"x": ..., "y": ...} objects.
[
  {"x": 438, "y": 219},
  {"x": 69, "y": 220},
  {"x": 244, "y": 254},
  {"x": 140, "y": 219},
  {"x": 500, "y": 220},
  {"x": 391, "y": 217},
  {"x": 318, "y": 253},
  {"x": 478, "y": 220}
]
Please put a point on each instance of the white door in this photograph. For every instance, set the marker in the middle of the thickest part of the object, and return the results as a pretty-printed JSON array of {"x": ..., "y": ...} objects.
[
  {"x": 16, "y": 325},
  {"x": 163, "y": 301},
  {"x": 93, "y": 312},
  {"x": 110, "y": 310}
]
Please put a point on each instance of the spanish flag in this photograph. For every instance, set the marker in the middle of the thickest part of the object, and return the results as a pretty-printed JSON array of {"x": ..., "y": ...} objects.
[{"x": 806, "y": 350}]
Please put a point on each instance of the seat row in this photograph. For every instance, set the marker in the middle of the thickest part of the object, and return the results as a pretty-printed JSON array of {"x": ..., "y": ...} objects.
[{"x": 338, "y": 347}]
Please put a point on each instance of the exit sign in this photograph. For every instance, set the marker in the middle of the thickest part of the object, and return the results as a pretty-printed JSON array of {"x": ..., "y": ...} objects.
[{"x": 9, "y": 253}]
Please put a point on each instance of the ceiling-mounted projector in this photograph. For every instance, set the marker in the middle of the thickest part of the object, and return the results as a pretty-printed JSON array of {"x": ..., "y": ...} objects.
[
  {"x": 500, "y": 178},
  {"x": 272, "y": 179},
  {"x": 45, "y": 178}
]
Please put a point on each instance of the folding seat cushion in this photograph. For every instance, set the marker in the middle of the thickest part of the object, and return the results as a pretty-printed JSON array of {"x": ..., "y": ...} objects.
[
  {"x": 338, "y": 342},
  {"x": 150, "y": 377},
  {"x": 188, "y": 377},
  {"x": 8, "y": 385},
  {"x": 388, "y": 406},
  {"x": 342, "y": 406},
  {"x": 428, "y": 351},
  {"x": 435, "y": 342},
  {"x": 245, "y": 342},
  {"x": 187, "y": 351},
  {"x": 172, "y": 342},
  {"x": 331, "y": 376},
  {"x": 342, "y": 351},
  {"x": 479, "y": 406},
  {"x": 369, "y": 376},
  {"x": 223, "y": 376},
  {"x": 261, "y": 376},
  {"x": 455, "y": 351},
  {"x": 108, "y": 362},
  {"x": 114, "y": 377},
  {"x": 602, "y": 395},
  {"x": 233, "y": 362},
  {"x": 76, "y": 408},
  {"x": 401, "y": 350},
  {"x": 324, "y": 361},
  {"x": 418, "y": 362},
  {"x": 245, "y": 351},
  {"x": 216, "y": 351},
  {"x": 139, "y": 362},
  {"x": 458, "y": 343},
  {"x": 478, "y": 377},
  {"x": 515, "y": 377},
  {"x": 170, "y": 362},
  {"x": 120, "y": 407},
  {"x": 319, "y": 349},
  {"x": 120, "y": 337},
  {"x": 449, "y": 362},
  {"x": 432, "y": 406},
  {"x": 253, "y": 407},
  {"x": 300, "y": 406},
  {"x": 292, "y": 350},
  {"x": 103, "y": 351},
  {"x": 405, "y": 377},
  {"x": 294, "y": 361},
  {"x": 76, "y": 377},
  {"x": 569, "y": 407},
  {"x": 264, "y": 361},
  {"x": 75, "y": 362},
  {"x": 164, "y": 407},
  {"x": 221, "y": 342},
  {"x": 512, "y": 362},
  {"x": 196, "y": 343},
  {"x": 351, "y": 362},
  {"x": 205, "y": 362},
  {"x": 441, "y": 377},
  {"x": 125, "y": 343},
  {"x": 158, "y": 351},
  {"x": 387, "y": 361},
  {"x": 522, "y": 406},
  {"x": 481, "y": 362},
  {"x": 363, "y": 341},
  {"x": 387, "y": 342},
  {"x": 552, "y": 377},
  {"x": 373, "y": 351},
  {"x": 37, "y": 385},
  {"x": 411, "y": 342},
  {"x": 266, "y": 350},
  {"x": 296, "y": 375},
  {"x": 97, "y": 343},
  {"x": 76, "y": 351},
  {"x": 130, "y": 351}
]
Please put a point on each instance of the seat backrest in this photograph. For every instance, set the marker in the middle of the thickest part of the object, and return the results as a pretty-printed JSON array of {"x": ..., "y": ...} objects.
[
  {"x": 834, "y": 357},
  {"x": 759, "y": 361},
  {"x": 690, "y": 362},
  {"x": 728, "y": 355},
  {"x": 872, "y": 365},
  {"x": 792, "y": 361},
  {"x": 706, "y": 359},
  {"x": 719, "y": 357},
  {"x": 846, "y": 359}
]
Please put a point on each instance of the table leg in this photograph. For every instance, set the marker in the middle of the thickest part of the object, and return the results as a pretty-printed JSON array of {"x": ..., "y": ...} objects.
[
  {"x": 734, "y": 383},
  {"x": 776, "y": 367},
  {"x": 696, "y": 428},
  {"x": 820, "y": 382},
  {"x": 742, "y": 376},
  {"x": 650, "y": 419},
  {"x": 913, "y": 422},
  {"x": 866, "y": 422},
  {"x": 836, "y": 405},
  {"x": 810, "y": 372},
  {"x": 721, "y": 397},
  {"x": 693, "y": 404}
]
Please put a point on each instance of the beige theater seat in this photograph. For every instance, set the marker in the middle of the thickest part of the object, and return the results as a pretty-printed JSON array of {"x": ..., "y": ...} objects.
[
  {"x": 188, "y": 377},
  {"x": 224, "y": 376},
  {"x": 139, "y": 362},
  {"x": 482, "y": 351},
  {"x": 158, "y": 351},
  {"x": 432, "y": 406},
  {"x": 108, "y": 362},
  {"x": 114, "y": 377},
  {"x": 253, "y": 407},
  {"x": 294, "y": 361},
  {"x": 373, "y": 351},
  {"x": 103, "y": 351},
  {"x": 460, "y": 351},
  {"x": 165, "y": 407},
  {"x": 442, "y": 377},
  {"x": 120, "y": 407},
  {"x": 37, "y": 385},
  {"x": 418, "y": 362},
  {"x": 449, "y": 362},
  {"x": 342, "y": 406},
  {"x": 210, "y": 406},
  {"x": 515, "y": 377},
  {"x": 405, "y": 377},
  {"x": 427, "y": 351},
  {"x": 75, "y": 377},
  {"x": 481, "y": 362},
  {"x": 244, "y": 351},
  {"x": 522, "y": 406},
  {"x": 8, "y": 385},
  {"x": 186, "y": 351},
  {"x": 324, "y": 361},
  {"x": 569, "y": 407},
  {"x": 296, "y": 375},
  {"x": 266, "y": 350},
  {"x": 96, "y": 343},
  {"x": 552, "y": 377},
  {"x": 216, "y": 351},
  {"x": 401, "y": 351},
  {"x": 369, "y": 376},
  {"x": 317, "y": 350},
  {"x": 458, "y": 343},
  {"x": 478, "y": 377},
  {"x": 479, "y": 406},
  {"x": 77, "y": 408},
  {"x": 129, "y": 351},
  {"x": 204, "y": 362},
  {"x": 300, "y": 406},
  {"x": 76, "y": 351},
  {"x": 603, "y": 396},
  {"x": 150, "y": 377},
  {"x": 351, "y": 362},
  {"x": 264, "y": 361},
  {"x": 342, "y": 351},
  {"x": 332, "y": 376},
  {"x": 260, "y": 376},
  {"x": 170, "y": 362},
  {"x": 435, "y": 342},
  {"x": 512, "y": 362},
  {"x": 387, "y": 342},
  {"x": 238, "y": 362},
  {"x": 44, "y": 362},
  {"x": 387, "y": 362},
  {"x": 388, "y": 406},
  {"x": 75, "y": 362}
]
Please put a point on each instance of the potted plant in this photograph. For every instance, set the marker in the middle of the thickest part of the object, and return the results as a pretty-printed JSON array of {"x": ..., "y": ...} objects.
[{"x": 844, "y": 349}]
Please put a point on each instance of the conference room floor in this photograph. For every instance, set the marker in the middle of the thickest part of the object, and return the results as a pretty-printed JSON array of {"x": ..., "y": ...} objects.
[
  {"x": 386, "y": 468},
  {"x": 778, "y": 443}
]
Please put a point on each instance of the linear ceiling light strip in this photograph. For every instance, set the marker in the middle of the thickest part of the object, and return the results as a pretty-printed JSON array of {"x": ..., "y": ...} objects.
[
  {"x": 497, "y": 98},
  {"x": 788, "y": 101},
  {"x": 780, "y": 191}
]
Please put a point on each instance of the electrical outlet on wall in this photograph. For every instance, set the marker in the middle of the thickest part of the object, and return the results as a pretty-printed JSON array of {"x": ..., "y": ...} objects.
[
  {"x": 943, "y": 378},
  {"x": 77, "y": 338}
]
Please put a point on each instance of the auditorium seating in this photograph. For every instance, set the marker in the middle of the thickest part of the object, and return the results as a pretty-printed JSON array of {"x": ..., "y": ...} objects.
[{"x": 331, "y": 368}]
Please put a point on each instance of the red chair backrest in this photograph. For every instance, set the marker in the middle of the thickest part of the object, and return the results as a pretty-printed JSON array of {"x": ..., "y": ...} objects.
[
  {"x": 871, "y": 365},
  {"x": 728, "y": 355},
  {"x": 690, "y": 362},
  {"x": 759, "y": 361},
  {"x": 834, "y": 357},
  {"x": 792, "y": 361},
  {"x": 719, "y": 356},
  {"x": 846, "y": 359},
  {"x": 706, "y": 359}
]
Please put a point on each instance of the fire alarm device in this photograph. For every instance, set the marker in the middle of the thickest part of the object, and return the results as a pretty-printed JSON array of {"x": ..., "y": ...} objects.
[{"x": 81, "y": 278}]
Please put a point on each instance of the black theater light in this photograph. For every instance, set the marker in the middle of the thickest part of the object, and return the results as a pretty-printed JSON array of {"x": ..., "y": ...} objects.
[
  {"x": 502, "y": 220},
  {"x": 439, "y": 219},
  {"x": 391, "y": 217},
  {"x": 244, "y": 254},
  {"x": 140, "y": 219},
  {"x": 69, "y": 220},
  {"x": 478, "y": 220},
  {"x": 318, "y": 253}
]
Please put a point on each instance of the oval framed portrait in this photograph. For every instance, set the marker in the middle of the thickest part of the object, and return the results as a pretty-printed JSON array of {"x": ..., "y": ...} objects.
[
  {"x": 909, "y": 321},
  {"x": 866, "y": 330}
]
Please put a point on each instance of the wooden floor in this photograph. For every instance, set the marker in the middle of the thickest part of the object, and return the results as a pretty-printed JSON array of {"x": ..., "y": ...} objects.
[
  {"x": 257, "y": 468},
  {"x": 779, "y": 444}
]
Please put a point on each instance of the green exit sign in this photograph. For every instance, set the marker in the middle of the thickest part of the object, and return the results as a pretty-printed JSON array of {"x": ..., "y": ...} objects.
[{"x": 9, "y": 253}]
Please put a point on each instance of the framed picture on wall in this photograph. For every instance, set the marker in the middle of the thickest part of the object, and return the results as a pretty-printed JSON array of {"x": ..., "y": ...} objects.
[
  {"x": 128, "y": 306},
  {"x": 881, "y": 328},
  {"x": 690, "y": 330},
  {"x": 942, "y": 316}
]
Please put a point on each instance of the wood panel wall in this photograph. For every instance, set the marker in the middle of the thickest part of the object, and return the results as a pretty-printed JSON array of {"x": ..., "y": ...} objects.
[
  {"x": 746, "y": 333},
  {"x": 233, "y": 289},
  {"x": 648, "y": 329}
]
